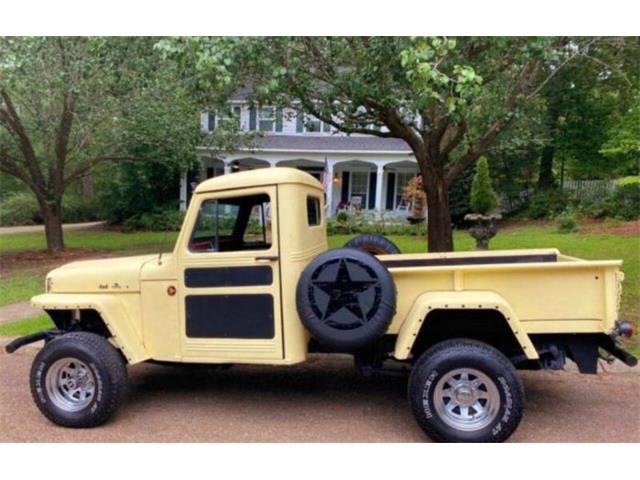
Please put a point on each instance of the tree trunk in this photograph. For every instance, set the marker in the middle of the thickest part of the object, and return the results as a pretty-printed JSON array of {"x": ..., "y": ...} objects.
[
  {"x": 440, "y": 234},
  {"x": 545, "y": 177},
  {"x": 52, "y": 216}
]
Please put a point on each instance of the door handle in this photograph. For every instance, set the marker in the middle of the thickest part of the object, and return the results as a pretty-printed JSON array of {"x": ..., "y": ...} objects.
[{"x": 266, "y": 259}]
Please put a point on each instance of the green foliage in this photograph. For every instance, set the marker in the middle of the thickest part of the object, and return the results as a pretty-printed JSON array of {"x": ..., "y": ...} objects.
[
  {"x": 482, "y": 198},
  {"x": 21, "y": 208},
  {"x": 459, "y": 197},
  {"x": 344, "y": 223},
  {"x": 567, "y": 222},
  {"x": 158, "y": 220},
  {"x": 623, "y": 142},
  {"x": 547, "y": 203},
  {"x": 628, "y": 180},
  {"x": 624, "y": 202}
]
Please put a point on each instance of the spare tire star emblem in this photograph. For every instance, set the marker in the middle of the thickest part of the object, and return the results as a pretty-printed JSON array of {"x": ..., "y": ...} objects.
[{"x": 344, "y": 293}]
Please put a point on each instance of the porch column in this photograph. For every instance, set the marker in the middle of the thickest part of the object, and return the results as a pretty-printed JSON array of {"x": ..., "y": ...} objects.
[
  {"x": 227, "y": 167},
  {"x": 329, "y": 191},
  {"x": 183, "y": 191},
  {"x": 379, "y": 193}
]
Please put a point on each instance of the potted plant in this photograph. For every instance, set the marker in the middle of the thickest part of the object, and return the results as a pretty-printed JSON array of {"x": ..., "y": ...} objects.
[{"x": 483, "y": 202}]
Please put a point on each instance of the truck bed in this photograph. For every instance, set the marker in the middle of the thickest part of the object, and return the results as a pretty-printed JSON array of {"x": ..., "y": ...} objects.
[{"x": 548, "y": 292}]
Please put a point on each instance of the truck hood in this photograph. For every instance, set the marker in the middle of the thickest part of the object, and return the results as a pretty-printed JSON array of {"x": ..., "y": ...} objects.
[{"x": 105, "y": 275}]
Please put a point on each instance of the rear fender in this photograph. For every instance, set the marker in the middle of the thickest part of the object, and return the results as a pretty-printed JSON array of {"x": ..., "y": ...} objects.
[
  {"x": 476, "y": 300},
  {"x": 111, "y": 310}
]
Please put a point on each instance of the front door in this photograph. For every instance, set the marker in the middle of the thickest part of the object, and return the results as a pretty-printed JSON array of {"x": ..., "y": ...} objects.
[{"x": 230, "y": 278}]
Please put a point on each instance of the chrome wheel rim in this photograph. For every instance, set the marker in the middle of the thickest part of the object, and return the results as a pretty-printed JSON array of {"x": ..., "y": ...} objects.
[
  {"x": 70, "y": 384},
  {"x": 466, "y": 399}
]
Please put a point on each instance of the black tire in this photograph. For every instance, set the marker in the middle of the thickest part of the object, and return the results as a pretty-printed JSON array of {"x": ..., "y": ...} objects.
[
  {"x": 99, "y": 364},
  {"x": 373, "y": 244},
  {"x": 346, "y": 298},
  {"x": 429, "y": 375}
]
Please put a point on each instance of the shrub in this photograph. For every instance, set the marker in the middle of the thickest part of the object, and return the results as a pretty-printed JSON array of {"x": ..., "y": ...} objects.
[
  {"x": 159, "y": 220},
  {"x": 547, "y": 203},
  {"x": 483, "y": 197},
  {"x": 629, "y": 180},
  {"x": 624, "y": 202},
  {"x": 20, "y": 208},
  {"x": 567, "y": 222},
  {"x": 76, "y": 209}
]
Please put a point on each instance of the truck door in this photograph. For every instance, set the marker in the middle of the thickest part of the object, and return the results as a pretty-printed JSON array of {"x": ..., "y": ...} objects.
[{"x": 230, "y": 278}]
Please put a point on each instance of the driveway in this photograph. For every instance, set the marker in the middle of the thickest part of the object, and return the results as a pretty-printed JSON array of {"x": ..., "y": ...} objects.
[{"x": 322, "y": 400}]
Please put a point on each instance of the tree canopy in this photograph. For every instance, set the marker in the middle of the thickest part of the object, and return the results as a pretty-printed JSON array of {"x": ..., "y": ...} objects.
[
  {"x": 68, "y": 105},
  {"x": 449, "y": 99}
]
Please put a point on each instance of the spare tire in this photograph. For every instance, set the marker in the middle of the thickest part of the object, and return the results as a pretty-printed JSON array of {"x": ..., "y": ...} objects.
[
  {"x": 373, "y": 244},
  {"x": 346, "y": 298}
]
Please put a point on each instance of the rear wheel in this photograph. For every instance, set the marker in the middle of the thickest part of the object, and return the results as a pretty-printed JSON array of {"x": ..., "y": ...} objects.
[
  {"x": 466, "y": 391},
  {"x": 78, "y": 380}
]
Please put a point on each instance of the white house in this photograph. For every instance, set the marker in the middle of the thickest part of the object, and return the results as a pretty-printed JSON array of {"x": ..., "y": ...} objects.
[{"x": 366, "y": 171}]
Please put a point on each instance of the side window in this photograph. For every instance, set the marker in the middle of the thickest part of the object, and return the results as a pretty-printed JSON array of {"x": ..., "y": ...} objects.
[
  {"x": 233, "y": 224},
  {"x": 313, "y": 211}
]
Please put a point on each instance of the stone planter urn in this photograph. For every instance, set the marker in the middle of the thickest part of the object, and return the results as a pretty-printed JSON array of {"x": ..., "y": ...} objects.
[{"x": 483, "y": 228}]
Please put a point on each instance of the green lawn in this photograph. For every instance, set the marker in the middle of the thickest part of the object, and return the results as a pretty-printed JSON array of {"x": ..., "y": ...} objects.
[
  {"x": 26, "y": 326},
  {"x": 90, "y": 240},
  {"x": 21, "y": 286}
]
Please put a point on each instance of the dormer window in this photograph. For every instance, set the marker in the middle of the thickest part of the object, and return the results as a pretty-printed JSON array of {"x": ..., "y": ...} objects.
[
  {"x": 267, "y": 119},
  {"x": 313, "y": 125},
  {"x": 229, "y": 117},
  {"x": 310, "y": 124}
]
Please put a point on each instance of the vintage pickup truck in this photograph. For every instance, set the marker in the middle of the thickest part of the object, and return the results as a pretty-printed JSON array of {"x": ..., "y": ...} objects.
[{"x": 251, "y": 280}]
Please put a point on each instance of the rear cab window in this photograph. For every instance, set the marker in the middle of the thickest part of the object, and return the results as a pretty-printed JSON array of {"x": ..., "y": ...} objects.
[{"x": 313, "y": 211}]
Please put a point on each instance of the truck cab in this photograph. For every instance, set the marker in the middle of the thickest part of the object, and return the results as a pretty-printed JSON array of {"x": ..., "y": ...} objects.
[{"x": 244, "y": 242}]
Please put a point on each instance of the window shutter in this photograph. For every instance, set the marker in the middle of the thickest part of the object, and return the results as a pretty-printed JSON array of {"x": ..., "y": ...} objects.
[
  {"x": 344, "y": 193},
  {"x": 300, "y": 122},
  {"x": 279, "y": 120},
  {"x": 372, "y": 190},
  {"x": 391, "y": 183},
  {"x": 252, "y": 118},
  {"x": 212, "y": 122}
]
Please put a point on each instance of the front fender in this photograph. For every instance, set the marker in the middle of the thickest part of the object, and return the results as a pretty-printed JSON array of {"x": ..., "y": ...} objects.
[
  {"x": 476, "y": 300},
  {"x": 113, "y": 313}
]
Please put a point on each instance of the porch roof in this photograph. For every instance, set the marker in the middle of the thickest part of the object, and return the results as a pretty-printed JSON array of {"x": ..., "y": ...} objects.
[{"x": 329, "y": 143}]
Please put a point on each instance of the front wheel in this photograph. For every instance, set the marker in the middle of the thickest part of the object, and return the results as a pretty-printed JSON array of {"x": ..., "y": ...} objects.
[
  {"x": 78, "y": 380},
  {"x": 466, "y": 391}
]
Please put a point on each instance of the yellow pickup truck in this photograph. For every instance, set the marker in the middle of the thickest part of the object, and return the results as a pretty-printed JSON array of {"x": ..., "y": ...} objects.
[{"x": 251, "y": 280}]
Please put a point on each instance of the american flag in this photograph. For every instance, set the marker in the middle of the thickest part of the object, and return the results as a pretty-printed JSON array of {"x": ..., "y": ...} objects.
[{"x": 325, "y": 175}]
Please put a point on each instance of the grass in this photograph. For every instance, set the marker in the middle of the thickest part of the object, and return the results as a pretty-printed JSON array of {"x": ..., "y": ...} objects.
[
  {"x": 20, "y": 287},
  {"x": 108, "y": 240},
  {"x": 26, "y": 326}
]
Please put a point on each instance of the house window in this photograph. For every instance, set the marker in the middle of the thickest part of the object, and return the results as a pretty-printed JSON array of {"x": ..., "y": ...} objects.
[
  {"x": 229, "y": 117},
  {"x": 232, "y": 224},
  {"x": 313, "y": 211},
  {"x": 359, "y": 189},
  {"x": 313, "y": 125},
  {"x": 402, "y": 180},
  {"x": 267, "y": 120}
]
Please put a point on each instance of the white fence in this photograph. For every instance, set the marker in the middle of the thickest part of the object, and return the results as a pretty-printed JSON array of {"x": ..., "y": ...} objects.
[{"x": 586, "y": 189}]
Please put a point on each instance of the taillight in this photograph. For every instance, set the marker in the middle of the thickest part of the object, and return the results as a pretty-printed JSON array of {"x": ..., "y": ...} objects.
[{"x": 624, "y": 329}]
